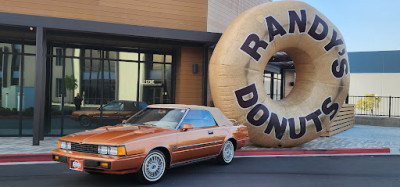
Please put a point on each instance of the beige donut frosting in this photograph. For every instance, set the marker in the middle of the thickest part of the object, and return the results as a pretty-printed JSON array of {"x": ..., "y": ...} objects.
[{"x": 322, "y": 72}]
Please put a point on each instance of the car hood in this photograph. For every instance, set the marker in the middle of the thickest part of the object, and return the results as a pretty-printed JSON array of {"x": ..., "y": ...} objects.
[{"x": 116, "y": 135}]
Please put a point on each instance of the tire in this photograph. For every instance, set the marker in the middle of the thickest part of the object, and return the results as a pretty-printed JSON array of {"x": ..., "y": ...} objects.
[
  {"x": 227, "y": 152},
  {"x": 85, "y": 121},
  {"x": 153, "y": 167}
]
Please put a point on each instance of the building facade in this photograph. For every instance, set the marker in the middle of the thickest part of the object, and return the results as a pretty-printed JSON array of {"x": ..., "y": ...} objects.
[
  {"x": 102, "y": 50},
  {"x": 375, "y": 72}
]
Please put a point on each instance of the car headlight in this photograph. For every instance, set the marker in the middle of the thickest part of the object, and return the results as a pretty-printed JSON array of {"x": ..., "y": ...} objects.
[
  {"x": 64, "y": 145},
  {"x": 111, "y": 150},
  {"x": 103, "y": 150}
]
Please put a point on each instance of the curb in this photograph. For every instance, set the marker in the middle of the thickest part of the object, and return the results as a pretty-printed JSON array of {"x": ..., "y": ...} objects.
[
  {"x": 309, "y": 152},
  {"x": 45, "y": 157},
  {"x": 35, "y": 157}
]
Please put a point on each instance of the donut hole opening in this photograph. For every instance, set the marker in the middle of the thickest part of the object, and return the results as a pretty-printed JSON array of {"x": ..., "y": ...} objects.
[
  {"x": 279, "y": 76},
  {"x": 291, "y": 75}
]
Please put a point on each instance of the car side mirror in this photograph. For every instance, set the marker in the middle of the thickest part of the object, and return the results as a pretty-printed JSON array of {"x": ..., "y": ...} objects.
[{"x": 187, "y": 127}]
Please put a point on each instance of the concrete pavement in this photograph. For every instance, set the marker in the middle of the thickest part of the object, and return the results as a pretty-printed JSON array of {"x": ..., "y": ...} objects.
[{"x": 360, "y": 136}]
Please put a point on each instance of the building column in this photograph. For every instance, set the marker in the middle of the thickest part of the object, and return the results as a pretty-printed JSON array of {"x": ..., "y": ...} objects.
[
  {"x": 40, "y": 85},
  {"x": 205, "y": 75}
]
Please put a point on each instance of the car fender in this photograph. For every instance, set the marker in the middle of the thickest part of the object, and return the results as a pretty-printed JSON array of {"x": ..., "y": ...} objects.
[
  {"x": 144, "y": 146},
  {"x": 166, "y": 151}
]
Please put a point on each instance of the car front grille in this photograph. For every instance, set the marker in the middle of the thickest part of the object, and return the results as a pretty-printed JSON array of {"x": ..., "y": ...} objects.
[{"x": 84, "y": 148}]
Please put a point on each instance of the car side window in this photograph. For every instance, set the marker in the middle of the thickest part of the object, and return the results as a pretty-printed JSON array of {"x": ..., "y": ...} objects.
[
  {"x": 142, "y": 105},
  {"x": 129, "y": 106},
  {"x": 199, "y": 118},
  {"x": 112, "y": 106}
]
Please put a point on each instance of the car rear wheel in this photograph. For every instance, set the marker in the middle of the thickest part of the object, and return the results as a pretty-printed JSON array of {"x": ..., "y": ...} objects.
[
  {"x": 226, "y": 154},
  {"x": 85, "y": 121},
  {"x": 153, "y": 167}
]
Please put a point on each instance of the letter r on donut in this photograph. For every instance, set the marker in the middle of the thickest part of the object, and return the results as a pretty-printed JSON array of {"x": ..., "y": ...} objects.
[{"x": 252, "y": 44}]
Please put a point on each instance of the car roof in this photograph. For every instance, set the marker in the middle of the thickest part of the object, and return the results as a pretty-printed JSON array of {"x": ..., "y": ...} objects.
[{"x": 219, "y": 117}]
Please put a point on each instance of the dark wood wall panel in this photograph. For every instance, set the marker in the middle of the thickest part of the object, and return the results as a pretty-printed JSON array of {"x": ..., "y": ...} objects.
[{"x": 189, "y": 84}]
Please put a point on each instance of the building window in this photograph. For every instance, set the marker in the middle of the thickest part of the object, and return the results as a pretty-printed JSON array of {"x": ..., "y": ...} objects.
[
  {"x": 101, "y": 77},
  {"x": 59, "y": 56},
  {"x": 17, "y": 81},
  {"x": 273, "y": 84},
  {"x": 59, "y": 87},
  {"x": 156, "y": 78}
]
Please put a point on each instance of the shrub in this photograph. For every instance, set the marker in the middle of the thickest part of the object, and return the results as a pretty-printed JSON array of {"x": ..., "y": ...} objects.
[{"x": 369, "y": 103}]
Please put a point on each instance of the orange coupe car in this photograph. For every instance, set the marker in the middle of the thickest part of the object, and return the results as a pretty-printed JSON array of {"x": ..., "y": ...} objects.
[{"x": 154, "y": 139}]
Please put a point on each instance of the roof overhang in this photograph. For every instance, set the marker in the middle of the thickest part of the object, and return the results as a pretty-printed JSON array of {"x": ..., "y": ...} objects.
[
  {"x": 279, "y": 61},
  {"x": 109, "y": 28}
]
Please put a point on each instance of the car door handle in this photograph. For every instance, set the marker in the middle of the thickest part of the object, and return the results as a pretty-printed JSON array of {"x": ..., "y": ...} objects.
[
  {"x": 210, "y": 132},
  {"x": 115, "y": 112}
]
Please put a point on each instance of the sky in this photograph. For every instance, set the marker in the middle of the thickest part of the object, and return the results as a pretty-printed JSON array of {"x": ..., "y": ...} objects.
[{"x": 366, "y": 25}]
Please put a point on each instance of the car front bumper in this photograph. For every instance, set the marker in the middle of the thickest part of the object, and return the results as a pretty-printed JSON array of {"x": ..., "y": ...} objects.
[
  {"x": 242, "y": 142},
  {"x": 91, "y": 162}
]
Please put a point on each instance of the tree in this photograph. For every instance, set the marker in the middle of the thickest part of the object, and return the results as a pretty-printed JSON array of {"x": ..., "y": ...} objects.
[
  {"x": 71, "y": 83},
  {"x": 368, "y": 103}
]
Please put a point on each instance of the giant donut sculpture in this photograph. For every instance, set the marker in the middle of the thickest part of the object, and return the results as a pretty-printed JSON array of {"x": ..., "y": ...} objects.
[{"x": 322, "y": 72}]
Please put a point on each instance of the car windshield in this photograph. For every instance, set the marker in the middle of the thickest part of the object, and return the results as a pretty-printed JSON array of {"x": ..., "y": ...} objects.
[
  {"x": 158, "y": 117},
  {"x": 113, "y": 106}
]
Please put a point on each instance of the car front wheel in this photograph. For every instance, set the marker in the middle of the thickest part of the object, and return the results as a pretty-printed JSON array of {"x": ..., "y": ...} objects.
[
  {"x": 153, "y": 167},
  {"x": 227, "y": 153}
]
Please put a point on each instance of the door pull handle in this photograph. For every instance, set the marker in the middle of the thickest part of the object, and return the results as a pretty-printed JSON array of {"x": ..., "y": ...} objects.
[{"x": 210, "y": 132}]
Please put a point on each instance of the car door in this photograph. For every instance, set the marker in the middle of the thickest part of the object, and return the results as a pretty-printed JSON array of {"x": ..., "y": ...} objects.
[{"x": 204, "y": 140}]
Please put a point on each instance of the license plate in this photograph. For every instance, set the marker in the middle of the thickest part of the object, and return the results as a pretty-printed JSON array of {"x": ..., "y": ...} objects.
[{"x": 77, "y": 165}]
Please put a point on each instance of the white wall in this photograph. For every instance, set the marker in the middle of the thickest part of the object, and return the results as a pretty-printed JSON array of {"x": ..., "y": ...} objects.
[
  {"x": 128, "y": 77},
  {"x": 380, "y": 84},
  {"x": 222, "y": 13}
]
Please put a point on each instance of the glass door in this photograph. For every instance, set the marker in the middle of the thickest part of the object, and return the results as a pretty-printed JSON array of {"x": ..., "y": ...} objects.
[{"x": 17, "y": 79}]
